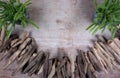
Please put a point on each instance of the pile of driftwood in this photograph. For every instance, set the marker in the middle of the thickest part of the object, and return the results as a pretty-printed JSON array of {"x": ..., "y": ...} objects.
[{"x": 103, "y": 57}]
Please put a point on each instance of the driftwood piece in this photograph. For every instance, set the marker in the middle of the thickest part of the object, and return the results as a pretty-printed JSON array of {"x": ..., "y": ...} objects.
[
  {"x": 64, "y": 72},
  {"x": 52, "y": 73},
  {"x": 29, "y": 48},
  {"x": 16, "y": 54},
  {"x": 21, "y": 55},
  {"x": 101, "y": 38},
  {"x": 22, "y": 38},
  {"x": 13, "y": 42},
  {"x": 39, "y": 62},
  {"x": 90, "y": 65},
  {"x": 76, "y": 71},
  {"x": 2, "y": 36},
  {"x": 26, "y": 57},
  {"x": 101, "y": 61},
  {"x": 84, "y": 61},
  {"x": 59, "y": 74},
  {"x": 6, "y": 44},
  {"x": 63, "y": 67},
  {"x": 62, "y": 62},
  {"x": 68, "y": 68},
  {"x": 114, "y": 47},
  {"x": 24, "y": 35},
  {"x": 96, "y": 64},
  {"x": 46, "y": 65},
  {"x": 8, "y": 53},
  {"x": 117, "y": 42},
  {"x": 104, "y": 46},
  {"x": 106, "y": 58},
  {"x": 32, "y": 63},
  {"x": 116, "y": 56},
  {"x": 78, "y": 62},
  {"x": 50, "y": 66},
  {"x": 90, "y": 72},
  {"x": 33, "y": 57},
  {"x": 40, "y": 70}
]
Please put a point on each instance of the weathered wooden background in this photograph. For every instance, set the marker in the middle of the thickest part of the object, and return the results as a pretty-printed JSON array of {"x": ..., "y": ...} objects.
[{"x": 62, "y": 24}]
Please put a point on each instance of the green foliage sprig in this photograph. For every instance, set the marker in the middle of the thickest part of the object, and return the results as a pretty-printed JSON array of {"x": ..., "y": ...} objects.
[
  {"x": 107, "y": 16},
  {"x": 12, "y": 12}
]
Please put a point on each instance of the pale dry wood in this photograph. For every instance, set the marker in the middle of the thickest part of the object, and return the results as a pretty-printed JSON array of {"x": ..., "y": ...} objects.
[
  {"x": 115, "y": 55},
  {"x": 104, "y": 46},
  {"x": 40, "y": 70},
  {"x": 2, "y": 36},
  {"x": 97, "y": 65},
  {"x": 117, "y": 42},
  {"x": 102, "y": 62},
  {"x": 104, "y": 56},
  {"x": 114, "y": 46},
  {"x": 103, "y": 51},
  {"x": 68, "y": 68},
  {"x": 76, "y": 71},
  {"x": 24, "y": 35},
  {"x": 13, "y": 42},
  {"x": 52, "y": 73}
]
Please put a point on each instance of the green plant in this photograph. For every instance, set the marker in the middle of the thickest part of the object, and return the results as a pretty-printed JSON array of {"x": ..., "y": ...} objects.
[
  {"x": 107, "y": 16},
  {"x": 12, "y": 12}
]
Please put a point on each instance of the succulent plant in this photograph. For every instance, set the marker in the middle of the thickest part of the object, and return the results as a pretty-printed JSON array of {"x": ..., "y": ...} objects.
[
  {"x": 13, "y": 12},
  {"x": 107, "y": 16}
]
